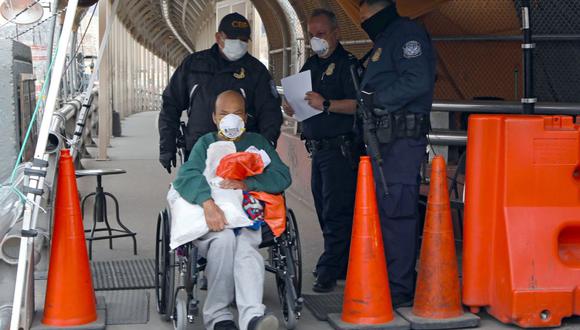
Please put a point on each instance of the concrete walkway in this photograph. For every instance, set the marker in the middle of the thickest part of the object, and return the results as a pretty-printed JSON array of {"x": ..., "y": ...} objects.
[{"x": 141, "y": 193}]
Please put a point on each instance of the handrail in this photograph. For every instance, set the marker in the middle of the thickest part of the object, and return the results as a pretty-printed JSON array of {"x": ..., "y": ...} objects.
[
  {"x": 63, "y": 121},
  {"x": 459, "y": 138}
]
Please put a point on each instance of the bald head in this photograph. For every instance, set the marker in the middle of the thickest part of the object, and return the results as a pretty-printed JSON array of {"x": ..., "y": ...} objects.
[{"x": 229, "y": 102}]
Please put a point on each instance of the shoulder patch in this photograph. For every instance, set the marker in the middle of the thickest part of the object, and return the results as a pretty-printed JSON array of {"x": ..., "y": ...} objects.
[
  {"x": 273, "y": 89},
  {"x": 412, "y": 49}
]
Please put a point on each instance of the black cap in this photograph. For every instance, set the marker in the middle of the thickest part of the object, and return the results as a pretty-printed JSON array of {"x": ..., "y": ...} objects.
[{"x": 235, "y": 26}]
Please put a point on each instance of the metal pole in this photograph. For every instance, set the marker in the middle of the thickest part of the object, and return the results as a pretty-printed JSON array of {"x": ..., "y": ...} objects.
[
  {"x": 167, "y": 75},
  {"x": 140, "y": 81},
  {"x": 104, "y": 114},
  {"x": 50, "y": 47},
  {"x": 40, "y": 162},
  {"x": 73, "y": 64},
  {"x": 83, "y": 114},
  {"x": 148, "y": 78},
  {"x": 131, "y": 74},
  {"x": 151, "y": 80},
  {"x": 124, "y": 61},
  {"x": 528, "y": 46},
  {"x": 117, "y": 77},
  {"x": 505, "y": 107},
  {"x": 113, "y": 65}
]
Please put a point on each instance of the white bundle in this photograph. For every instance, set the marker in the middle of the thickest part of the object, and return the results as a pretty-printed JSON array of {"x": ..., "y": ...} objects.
[{"x": 188, "y": 220}]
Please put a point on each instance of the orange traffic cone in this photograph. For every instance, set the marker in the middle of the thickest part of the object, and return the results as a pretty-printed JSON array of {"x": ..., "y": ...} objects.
[
  {"x": 437, "y": 302},
  {"x": 70, "y": 299},
  {"x": 367, "y": 297}
]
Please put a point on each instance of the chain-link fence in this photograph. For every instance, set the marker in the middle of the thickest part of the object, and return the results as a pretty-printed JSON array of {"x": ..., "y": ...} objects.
[
  {"x": 557, "y": 25},
  {"x": 480, "y": 54}
]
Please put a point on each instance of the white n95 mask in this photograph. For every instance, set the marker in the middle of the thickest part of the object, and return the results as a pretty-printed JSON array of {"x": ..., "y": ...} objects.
[
  {"x": 232, "y": 126},
  {"x": 319, "y": 46},
  {"x": 235, "y": 49}
]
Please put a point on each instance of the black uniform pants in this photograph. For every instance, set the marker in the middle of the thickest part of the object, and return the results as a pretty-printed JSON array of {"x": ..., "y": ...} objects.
[
  {"x": 399, "y": 212},
  {"x": 333, "y": 187}
]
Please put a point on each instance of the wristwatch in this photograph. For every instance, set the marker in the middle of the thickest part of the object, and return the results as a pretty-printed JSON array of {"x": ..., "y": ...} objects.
[{"x": 326, "y": 106}]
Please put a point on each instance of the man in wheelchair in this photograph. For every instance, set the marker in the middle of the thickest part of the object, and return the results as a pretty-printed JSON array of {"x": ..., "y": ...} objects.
[{"x": 235, "y": 268}]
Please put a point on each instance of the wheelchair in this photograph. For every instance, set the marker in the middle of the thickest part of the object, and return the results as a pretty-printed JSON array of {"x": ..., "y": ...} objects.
[{"x": 178, "y": 279}]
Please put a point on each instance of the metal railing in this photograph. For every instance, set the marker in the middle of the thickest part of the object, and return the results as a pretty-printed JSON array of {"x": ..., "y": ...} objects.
[
  {"x": 61, "y": 131},
  {"x": 63, "y": 123},
  {"x": 459, "y": 138}
]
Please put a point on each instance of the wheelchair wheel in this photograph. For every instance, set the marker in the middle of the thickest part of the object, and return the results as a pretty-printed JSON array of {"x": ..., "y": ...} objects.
[
  {"x": 290, "y": 317},
  {"x": 287, "y": 256},
  {"x": 180, "y": 319},
  {"x": 164, "y": 267},
  {"x": 293, "y": 237},
  {"x": 159, "y": 265}
]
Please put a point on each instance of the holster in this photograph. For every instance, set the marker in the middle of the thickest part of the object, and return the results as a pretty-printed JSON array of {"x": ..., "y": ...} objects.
[
  {"x": 351, "y": 149},
  {"x": 312, "y": 146}
]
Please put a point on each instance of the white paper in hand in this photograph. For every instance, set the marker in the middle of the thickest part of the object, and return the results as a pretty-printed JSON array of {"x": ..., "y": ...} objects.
[{"x": 295, "y": 89}]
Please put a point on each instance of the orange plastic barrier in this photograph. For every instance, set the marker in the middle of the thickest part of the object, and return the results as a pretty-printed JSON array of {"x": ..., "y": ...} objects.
[{"x": 522, "y": 218}]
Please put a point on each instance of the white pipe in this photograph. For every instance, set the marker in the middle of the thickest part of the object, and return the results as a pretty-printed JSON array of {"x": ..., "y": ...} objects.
[
  {"x": 9, "y": 246},
  {"x": 6, "y": 284},
  {"x": 31, "y": 209}
]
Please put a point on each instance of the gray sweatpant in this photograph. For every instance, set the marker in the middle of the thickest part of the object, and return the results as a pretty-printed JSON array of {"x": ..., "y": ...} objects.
[{"x": 234, "y": 268}]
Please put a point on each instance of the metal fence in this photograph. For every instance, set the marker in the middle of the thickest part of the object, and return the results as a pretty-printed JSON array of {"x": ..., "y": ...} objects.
[{"x": 485, "y": 61}]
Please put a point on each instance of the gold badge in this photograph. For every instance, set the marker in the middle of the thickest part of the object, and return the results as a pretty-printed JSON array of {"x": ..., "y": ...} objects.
[
  {"x": 330, "y": 69},
  {"x": 377, "y": 55},
  {"x": 241, "y": 74}
]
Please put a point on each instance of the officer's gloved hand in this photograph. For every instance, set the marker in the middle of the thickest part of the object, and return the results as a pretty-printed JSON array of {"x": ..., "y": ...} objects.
[{"x": 167, "y": 160}]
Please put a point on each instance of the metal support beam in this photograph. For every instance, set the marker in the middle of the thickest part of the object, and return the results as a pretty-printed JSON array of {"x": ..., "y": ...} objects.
[
  {"x": 147, "y": 79},
  {"x": 133, "y": 76},
  {"x": 528, "y": 46},
  {"x": 125, "y": 71},
  {"x": 130, "y": 73},
  {"x": 140, "y": 95},
  {"x": 105, "y": 111},
  {"x": 50, "y": 48},
  {"x": 150, "y": 78}
]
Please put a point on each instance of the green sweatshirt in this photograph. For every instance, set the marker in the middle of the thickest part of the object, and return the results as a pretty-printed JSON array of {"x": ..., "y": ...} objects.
[{"x": 192, "y": 184}]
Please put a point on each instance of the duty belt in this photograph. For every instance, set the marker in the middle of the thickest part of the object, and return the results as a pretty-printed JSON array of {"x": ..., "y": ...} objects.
[
  {"x": 401, "y": 124},
  {"x": 312, "y": 146}
]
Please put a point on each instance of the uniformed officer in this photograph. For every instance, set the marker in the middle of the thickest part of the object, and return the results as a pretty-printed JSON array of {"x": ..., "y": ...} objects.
[
  {"x": 331, "y": 144},
  {"x": 401, "y": 75},
  {"x": 203, "y": 75}
]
